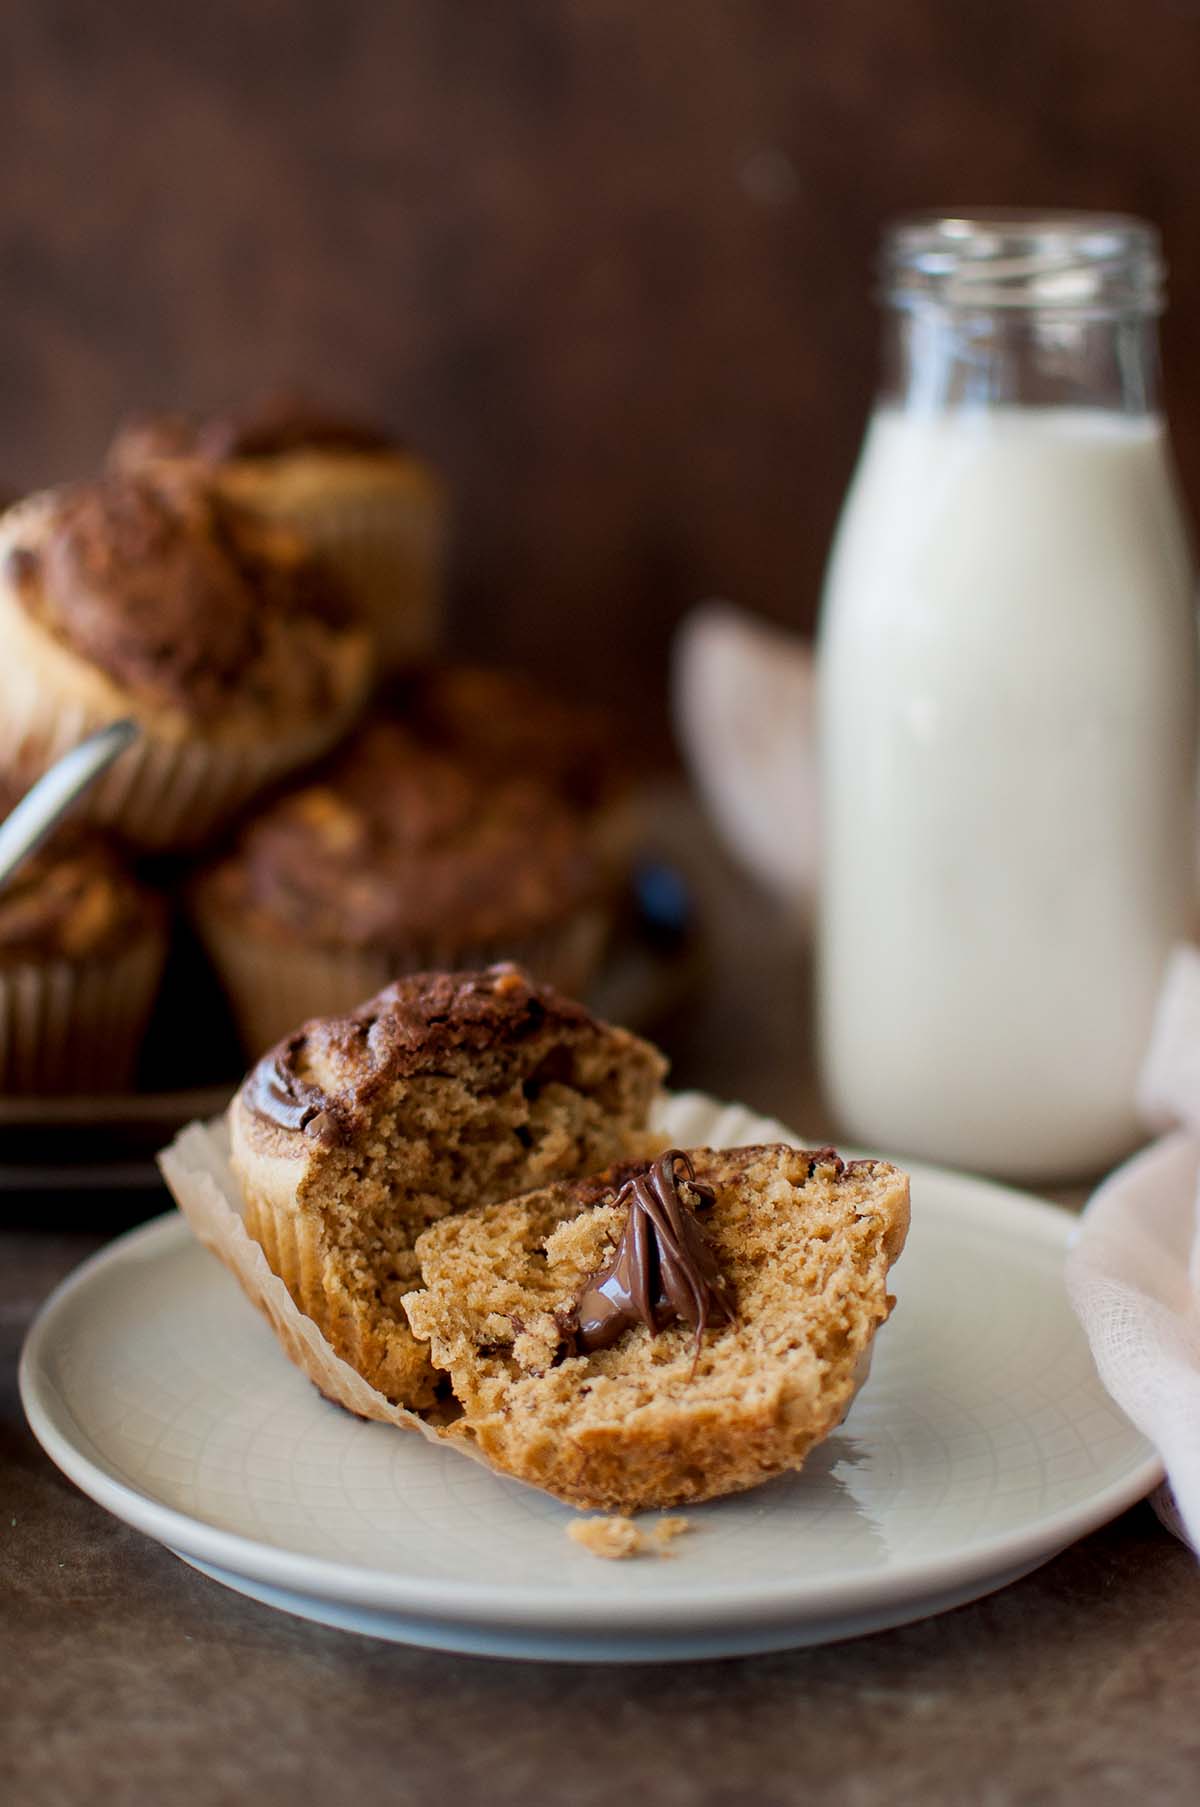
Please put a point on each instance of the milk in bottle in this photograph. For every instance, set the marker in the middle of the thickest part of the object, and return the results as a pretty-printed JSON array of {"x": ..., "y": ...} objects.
[{"x": 1008, "y": 694}]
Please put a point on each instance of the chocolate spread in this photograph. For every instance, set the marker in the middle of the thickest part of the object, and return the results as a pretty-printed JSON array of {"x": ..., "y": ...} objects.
[
  {"x": 276, "y": 1092},
  {"x": 663, "y": 1271}
]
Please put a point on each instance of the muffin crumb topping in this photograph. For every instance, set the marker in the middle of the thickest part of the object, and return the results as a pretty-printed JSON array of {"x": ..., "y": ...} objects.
[{"x": 183, "y": 597}]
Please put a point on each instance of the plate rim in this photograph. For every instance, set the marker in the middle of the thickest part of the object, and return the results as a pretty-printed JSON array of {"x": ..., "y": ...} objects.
[{"x": 518, "y": 1604}]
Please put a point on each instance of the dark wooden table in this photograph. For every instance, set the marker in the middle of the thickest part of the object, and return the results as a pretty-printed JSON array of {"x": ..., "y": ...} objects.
[{"x": 128, "y": 1678}]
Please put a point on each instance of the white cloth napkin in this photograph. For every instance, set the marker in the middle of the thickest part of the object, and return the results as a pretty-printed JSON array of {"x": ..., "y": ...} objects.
[{"x": 1134, "y": 1270}]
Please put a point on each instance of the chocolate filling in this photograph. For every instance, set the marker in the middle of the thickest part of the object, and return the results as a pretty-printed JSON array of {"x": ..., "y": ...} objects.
[
  {"x": 276, "y": 1092},
  {"x": 663, "y": 1271}
]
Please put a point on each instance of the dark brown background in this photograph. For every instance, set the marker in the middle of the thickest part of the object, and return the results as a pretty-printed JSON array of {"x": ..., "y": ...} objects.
[{"x": 607, "y": 260}]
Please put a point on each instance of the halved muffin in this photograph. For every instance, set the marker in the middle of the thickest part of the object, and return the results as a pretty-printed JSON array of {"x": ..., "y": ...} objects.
[
  {"x": 446, "y": 1090},
  {"x": 670, "y": 1332}
]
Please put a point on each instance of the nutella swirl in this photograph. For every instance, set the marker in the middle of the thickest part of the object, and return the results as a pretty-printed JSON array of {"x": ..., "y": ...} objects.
[
  {"x": 663, "y": 1270},
  {"x": 276, "y": 1092}
]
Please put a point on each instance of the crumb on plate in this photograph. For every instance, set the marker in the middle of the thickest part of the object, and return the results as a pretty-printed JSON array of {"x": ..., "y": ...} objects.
[
  {"x": 617, "y": 1537},
  {"x": 667, "y": 1529}
]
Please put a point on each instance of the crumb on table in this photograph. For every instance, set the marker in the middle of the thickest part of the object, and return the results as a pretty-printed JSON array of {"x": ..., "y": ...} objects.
[{"x": 618, "y": 1537}]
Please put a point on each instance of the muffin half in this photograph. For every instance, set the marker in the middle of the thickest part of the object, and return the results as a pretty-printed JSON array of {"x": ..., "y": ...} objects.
[
  {"x": 446, "y": 1090},
  {"x": 668, "y": 1333}
]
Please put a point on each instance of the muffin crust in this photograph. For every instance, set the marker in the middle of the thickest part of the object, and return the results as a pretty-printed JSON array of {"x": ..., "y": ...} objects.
[
  {"x": 273, "y": 427},
  {"x": 182, "y": 598},
  {"x": 397, "y": 847},
  {"x": 340, "y": 1068},
  {"x": 72, "y": 900},
  {"x": 509, "y": 726}
]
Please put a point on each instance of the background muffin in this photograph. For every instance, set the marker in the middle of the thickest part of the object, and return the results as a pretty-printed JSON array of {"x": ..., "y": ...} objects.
[
  {"x": 505, "y": 724},
  {"x": 370, "y": 508},
  {"x": 82, "y": 945},
  {"x": 399, "y": 858},
  {"x": 234, "y": 650}
]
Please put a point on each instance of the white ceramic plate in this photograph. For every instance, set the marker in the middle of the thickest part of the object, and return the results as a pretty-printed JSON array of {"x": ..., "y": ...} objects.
[{"x": 982, "y": 1444}]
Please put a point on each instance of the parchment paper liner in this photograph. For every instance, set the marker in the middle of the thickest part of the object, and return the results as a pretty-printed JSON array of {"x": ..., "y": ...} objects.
[
  {"x": 197, "y": 1170},
  {"x": 76, "y": 1025}
]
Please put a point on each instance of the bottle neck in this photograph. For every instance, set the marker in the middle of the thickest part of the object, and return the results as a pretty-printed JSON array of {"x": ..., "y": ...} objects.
[{"x": 938, "y": 358}]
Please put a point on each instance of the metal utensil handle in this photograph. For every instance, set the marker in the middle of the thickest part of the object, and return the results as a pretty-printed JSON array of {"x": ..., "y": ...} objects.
[{"x": 57, "y": 790}]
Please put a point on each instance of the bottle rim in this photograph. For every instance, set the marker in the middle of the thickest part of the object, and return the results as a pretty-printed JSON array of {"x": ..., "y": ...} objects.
[{"x": 1060, "y": 261}]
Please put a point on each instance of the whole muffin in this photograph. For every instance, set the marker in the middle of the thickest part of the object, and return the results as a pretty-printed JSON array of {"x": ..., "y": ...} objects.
[
  {"x": 82, "y": 945},
  {"x": 505, "y": 724},
  {"x": 398, "y": 858},
  {"x": 372, "y": 510},
  {"x": 233, "y": 648}
]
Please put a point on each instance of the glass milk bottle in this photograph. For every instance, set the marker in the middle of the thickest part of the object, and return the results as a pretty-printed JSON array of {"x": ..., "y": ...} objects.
[{"x": 1007, "y": 700}]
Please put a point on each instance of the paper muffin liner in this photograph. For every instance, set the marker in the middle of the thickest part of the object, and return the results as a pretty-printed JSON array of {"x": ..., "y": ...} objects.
[
  {"x": 76, "y": 1026},
  {"x": 198, "y": 1172},
  {"x": 158, "y": 793},
  {"x": 174, "y": 786},
  {"x": 273, "y": 987},
  {"x": 292, "y": 1248},
  {"x": 379, "y": 523}
]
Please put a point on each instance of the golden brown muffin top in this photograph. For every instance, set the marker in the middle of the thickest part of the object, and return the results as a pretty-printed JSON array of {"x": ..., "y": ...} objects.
[
  {"x": 182, "y": 597},
  {"x": 318, "y": 1080},
  {"x": 395, "y": 846},
  {"x": 71, "y": 900},
  {"x": 508, "y": 725},
  {"x": 272, "y": 427}
]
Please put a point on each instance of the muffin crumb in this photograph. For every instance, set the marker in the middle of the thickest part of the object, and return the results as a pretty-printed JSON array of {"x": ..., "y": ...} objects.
[
  {"x": 612, "y": 1538},
  {"x": 667, "y": 1530},
  {"x": 618, "y": 1537}
]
